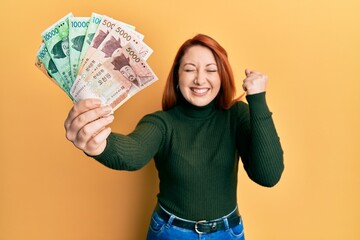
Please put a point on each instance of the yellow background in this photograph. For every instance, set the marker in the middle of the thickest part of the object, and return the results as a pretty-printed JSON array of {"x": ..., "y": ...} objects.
[{"x": 309, "y": 49}]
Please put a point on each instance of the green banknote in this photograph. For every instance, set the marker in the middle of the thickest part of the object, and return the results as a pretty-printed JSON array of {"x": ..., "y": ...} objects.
[
  {"x": 94, "y": 22},
  {"x": 56, "y": 39},
  {"x": 77, "y": 32},
  {"x": 47, "y": 66}
]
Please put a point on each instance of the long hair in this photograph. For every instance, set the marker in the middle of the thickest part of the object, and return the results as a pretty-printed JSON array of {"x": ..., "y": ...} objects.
[{"x": 225, "y": 97}]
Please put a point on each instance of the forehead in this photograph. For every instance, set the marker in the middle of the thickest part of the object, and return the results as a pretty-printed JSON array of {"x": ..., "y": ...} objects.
[{"x": 198, "y": 54}]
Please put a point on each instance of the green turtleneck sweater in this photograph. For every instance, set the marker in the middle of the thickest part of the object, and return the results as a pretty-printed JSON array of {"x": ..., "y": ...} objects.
[{"x": 196, "y": 152}]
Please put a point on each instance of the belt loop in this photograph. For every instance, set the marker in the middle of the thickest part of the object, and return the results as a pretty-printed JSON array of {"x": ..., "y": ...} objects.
[
  {"x": 171, "y": 219},
  {"x": 226, "y": 223}
]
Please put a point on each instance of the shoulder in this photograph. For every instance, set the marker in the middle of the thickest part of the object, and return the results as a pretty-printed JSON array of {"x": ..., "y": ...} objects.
[
  {"x": 156, "y": 116},
  {"x": 239, "y": 107},
  {"x": 239, "y": 113}
]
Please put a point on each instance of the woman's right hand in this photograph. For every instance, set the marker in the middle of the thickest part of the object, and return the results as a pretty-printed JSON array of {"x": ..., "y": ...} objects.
[{"x": 86, "y": 126}]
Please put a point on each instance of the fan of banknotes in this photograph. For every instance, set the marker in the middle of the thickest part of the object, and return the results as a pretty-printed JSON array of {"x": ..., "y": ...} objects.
[{"x": 95, "y": 57}]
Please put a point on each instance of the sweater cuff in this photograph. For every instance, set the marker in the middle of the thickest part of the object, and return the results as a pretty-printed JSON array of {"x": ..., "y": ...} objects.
[
  {"x": 257, "y": 105},
  {"x": 106, "y": 153}
]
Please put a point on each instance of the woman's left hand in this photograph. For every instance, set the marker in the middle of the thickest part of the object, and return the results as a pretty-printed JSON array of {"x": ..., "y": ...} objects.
[{"x": 255, "y": 82}]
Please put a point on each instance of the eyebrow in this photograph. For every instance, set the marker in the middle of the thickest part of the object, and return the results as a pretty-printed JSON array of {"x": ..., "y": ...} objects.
[{"x": 192, "y": 64}]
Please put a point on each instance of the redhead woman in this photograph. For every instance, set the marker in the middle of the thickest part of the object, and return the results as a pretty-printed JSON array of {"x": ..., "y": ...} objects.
[{"x": 197, "y": 141}]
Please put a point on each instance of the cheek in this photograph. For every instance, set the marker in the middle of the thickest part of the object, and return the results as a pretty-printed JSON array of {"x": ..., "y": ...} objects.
[
  {"x": 182, "y": 88},
  {"x": 183, "y": 81},
  {"x": 216, "y": 84}
]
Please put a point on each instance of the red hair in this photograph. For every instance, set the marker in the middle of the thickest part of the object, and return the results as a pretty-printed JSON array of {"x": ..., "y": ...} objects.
[{"x": 225, "y": 97}]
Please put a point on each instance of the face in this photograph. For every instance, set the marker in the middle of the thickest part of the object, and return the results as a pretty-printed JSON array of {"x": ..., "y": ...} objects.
[
  {"x": 128, "y": 73},
  {"x": 65, "y": 47},
  {"x": 199, "y": 79}
]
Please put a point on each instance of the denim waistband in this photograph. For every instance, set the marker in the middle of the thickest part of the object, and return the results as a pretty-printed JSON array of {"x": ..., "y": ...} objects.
[
  {"x": 192, "y": 221},
  {"x": 203, "y": 226}
]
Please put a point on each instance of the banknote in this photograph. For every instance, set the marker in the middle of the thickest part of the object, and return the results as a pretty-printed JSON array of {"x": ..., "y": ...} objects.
[
  {"x": 77, "y": 31},
  {"x": 47, "y": 66},
  {"x": 94, "y": 22},
  {"x": 95, "y": 57},
  {"x": 103, "y": 29},
  {"x": 95, "y": 35},
  {"x": 56, "y": 39},
  {"x": 118, "y": 36},
  {"x": 120, "y": 77}
]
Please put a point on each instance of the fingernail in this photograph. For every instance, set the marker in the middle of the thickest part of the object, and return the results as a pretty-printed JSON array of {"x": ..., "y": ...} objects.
[
  {"x": 110, "y": 118},
  {"x": 97, "y": 101},
  {"x": 107, "y": 108}
]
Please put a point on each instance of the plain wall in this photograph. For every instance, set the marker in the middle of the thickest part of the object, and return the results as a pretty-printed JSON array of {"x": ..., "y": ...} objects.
[{"x": 309, "y": 49}]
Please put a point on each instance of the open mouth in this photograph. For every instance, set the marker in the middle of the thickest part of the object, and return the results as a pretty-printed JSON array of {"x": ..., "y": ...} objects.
[{"x": 200, "y": 91}]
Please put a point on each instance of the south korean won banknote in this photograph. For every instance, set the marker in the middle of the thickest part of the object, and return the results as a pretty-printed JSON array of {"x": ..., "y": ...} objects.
[
  {"x": 46, "y": 65},
  {"x": 77, "y": 33},
  {"x": 95, "y": 20},
  {"x": 110, "y": 35},
  {"x": 107, "y": 24},
  {"x": 118, "y": 78},
  {"x": 56, "y": 39}
]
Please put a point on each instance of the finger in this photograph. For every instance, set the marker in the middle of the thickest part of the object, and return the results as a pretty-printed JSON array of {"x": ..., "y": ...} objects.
[
  {"x": 85, "y": 118},
  {"x": 250, "y": 78},
  {"x": 89, "y": 116},
  {"x": 97, "y": 144},
  {"x": 83, "y": 106},
  {"x": 90, "y": 131},
  {"x": 244, "y": 87},
  {"x": 249, "y": 81},
  {"x": 80, "y": 107},
  {"x": 249, "y": 72}
]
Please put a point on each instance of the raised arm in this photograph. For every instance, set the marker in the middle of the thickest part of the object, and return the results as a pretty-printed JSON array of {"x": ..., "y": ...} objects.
[{"x": 260, "y": 150}]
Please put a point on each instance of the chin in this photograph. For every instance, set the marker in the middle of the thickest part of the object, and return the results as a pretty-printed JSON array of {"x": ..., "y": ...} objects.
[{"x": 200, "y": 104}]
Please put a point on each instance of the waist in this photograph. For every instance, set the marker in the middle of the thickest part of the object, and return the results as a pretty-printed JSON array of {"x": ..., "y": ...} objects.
[{"x": 202, "y": 226}]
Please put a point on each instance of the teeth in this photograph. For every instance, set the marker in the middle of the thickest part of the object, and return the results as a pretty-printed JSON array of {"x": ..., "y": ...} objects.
[{"x": 200, "y": 90}]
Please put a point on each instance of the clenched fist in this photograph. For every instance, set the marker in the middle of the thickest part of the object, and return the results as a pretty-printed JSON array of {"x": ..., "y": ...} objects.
[
  {"x": 86, "y": 126},
  {"x": 255, "y": 82}
]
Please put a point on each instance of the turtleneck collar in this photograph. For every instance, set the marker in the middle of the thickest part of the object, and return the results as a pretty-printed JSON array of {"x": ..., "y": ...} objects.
[{"x": 193, "y": 111}]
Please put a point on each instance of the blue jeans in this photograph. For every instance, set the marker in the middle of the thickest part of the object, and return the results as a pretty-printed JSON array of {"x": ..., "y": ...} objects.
[{"x": 161, "y": 230}]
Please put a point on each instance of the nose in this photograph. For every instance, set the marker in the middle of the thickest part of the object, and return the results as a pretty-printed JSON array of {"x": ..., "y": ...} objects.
[{"x": 200, "y": 78}]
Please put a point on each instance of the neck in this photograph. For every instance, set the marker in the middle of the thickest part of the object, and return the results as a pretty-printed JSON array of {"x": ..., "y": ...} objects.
[{"x": 193, "y": 111}]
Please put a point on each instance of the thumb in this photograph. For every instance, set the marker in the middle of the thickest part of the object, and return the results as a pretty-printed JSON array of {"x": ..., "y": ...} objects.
[{"x": 247, "y": 72}]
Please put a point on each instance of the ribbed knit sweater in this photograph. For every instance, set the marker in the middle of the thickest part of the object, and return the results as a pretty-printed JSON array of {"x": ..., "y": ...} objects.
[{"x": 196, "y": 152}]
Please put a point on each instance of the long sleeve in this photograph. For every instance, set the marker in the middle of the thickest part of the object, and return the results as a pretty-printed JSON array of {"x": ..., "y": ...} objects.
[
  {"x": 261, "y": 151},
  {"x": 133, "y": 151}
]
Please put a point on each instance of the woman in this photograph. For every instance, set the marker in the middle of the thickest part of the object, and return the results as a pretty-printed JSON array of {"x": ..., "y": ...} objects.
[{"x": 196, "y": 142}]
